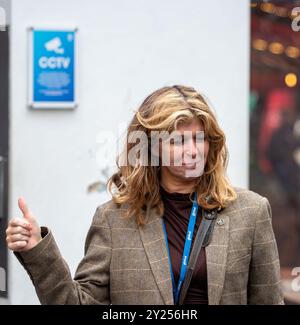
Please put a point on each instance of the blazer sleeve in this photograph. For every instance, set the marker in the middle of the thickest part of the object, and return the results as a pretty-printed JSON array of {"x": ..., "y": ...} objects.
[
  {"x": 50, "y": 273},
  {"x": 264, "y": 286}
]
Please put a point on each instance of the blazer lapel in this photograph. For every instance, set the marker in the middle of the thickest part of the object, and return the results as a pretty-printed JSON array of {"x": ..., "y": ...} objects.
[
  {"x": 152, "y": 236},
  {"x": 216, "y": 258}
]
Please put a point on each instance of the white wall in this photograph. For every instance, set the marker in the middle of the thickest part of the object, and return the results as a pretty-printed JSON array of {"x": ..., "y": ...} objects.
[{"x": 127, "y": 49}]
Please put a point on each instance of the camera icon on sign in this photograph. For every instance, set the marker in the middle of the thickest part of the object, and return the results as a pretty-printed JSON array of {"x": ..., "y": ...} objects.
[{"x": 55, "y": 45}]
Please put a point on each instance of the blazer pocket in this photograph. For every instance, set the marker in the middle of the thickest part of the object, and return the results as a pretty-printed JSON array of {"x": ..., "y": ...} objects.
[{"x": 239, "y": 264}]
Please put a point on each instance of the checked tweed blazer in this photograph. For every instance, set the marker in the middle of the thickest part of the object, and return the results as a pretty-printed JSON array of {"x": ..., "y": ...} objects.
[{"x": 128, "y": 264}]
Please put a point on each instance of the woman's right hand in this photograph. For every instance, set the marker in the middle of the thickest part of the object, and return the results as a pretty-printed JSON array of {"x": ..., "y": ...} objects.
[{"x": 22, "y": 234}]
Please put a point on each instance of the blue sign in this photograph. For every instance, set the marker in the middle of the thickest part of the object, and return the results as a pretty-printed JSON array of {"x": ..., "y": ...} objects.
[{"x": 53, "y": 68}]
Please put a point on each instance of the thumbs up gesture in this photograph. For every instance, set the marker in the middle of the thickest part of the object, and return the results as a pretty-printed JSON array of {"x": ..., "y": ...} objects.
[{"x": 22, "y": 234}]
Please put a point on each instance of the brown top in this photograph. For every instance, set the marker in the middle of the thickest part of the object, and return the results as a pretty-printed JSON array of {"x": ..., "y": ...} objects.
[{"x": 176, "y": 216}]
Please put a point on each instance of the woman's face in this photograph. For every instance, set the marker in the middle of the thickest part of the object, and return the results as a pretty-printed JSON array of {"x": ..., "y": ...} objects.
[{"x": 187, "y": 158}]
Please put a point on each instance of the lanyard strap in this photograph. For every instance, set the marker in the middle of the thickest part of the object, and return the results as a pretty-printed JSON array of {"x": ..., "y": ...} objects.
[{"x": 186, "y": 250}]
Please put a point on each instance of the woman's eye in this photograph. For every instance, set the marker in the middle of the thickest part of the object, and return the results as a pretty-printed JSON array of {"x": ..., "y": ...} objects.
[{"x": 176, "y": 141}]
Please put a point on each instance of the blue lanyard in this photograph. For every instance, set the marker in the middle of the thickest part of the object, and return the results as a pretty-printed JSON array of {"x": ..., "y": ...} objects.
[{"x": 186, "y": 250}]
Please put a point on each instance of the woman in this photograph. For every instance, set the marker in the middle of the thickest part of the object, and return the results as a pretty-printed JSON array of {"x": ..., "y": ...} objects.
[{"x": 134, "y": 247}]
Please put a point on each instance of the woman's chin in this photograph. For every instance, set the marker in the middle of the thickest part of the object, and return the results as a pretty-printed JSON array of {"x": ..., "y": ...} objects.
[
  {"x": 187, "y": 174},
  {"x": 191, "y": 172}
]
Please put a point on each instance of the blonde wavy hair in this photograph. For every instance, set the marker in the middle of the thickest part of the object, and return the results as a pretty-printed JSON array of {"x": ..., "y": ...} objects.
[{"x": 139, "y": 186}]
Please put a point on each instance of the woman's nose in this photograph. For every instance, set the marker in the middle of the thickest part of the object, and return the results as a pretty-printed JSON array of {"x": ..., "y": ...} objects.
[
  {"x": 194, "y": 149},
  {"x": 191, "y": 148}
]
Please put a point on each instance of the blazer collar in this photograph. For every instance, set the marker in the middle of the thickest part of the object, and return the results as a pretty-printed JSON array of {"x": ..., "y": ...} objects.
[
  {"x": 216, "y": 257},
  {"x": 152, "y": 236}
]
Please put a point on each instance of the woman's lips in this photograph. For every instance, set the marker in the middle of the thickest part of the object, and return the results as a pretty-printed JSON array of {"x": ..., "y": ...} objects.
[{"x": 190, "y": 165}]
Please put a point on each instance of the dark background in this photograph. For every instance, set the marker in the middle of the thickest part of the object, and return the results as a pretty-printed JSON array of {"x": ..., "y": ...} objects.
[{"x": 4, "y": 125}]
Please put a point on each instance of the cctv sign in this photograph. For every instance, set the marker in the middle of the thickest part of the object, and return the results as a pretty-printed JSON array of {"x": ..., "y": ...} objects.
[{"x": 52, "y": 73}]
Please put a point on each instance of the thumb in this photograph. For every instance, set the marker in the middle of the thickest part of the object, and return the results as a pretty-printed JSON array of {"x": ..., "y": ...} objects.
[{"x": 23, "y": 207}]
